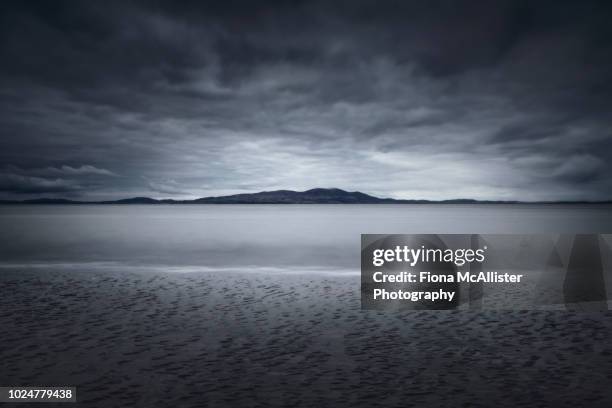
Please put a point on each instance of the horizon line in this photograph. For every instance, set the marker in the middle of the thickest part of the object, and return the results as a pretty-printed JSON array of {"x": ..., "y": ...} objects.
[{"x": 359, "y": 198}]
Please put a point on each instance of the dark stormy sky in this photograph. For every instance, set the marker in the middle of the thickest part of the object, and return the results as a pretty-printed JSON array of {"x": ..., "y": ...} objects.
[{"x": 406, "y": 99}]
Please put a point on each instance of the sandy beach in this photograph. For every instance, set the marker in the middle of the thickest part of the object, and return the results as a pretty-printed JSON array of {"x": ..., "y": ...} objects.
[{"x": 231, "y": 339}]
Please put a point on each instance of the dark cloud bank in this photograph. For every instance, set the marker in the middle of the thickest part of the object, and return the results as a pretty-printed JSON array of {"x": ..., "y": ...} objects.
[{"x": 435, "y": 100}]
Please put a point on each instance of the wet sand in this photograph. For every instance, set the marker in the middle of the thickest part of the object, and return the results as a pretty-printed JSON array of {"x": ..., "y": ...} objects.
[{"x": 245, "y": 340}]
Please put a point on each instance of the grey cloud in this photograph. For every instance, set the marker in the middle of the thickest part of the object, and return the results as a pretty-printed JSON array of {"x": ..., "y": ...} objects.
[
  {"x": 86, "y": 169},
  {"x": 15, "y": 183},
  {"x": 198, "y": 98},
  {"x": 524, "y": 132},
  {"x": 61, "y": 179},
  {"x": 583, "y": 168},
  {"x": 167, "y": 187},
  {"x": 83, "y": 170}
]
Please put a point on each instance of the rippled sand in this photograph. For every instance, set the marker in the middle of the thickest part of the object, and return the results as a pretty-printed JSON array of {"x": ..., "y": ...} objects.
[{"x": 224, "y": 340}]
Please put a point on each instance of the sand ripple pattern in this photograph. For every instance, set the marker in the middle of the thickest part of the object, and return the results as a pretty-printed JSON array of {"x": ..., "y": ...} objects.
[{"x": 255, "y": 340}]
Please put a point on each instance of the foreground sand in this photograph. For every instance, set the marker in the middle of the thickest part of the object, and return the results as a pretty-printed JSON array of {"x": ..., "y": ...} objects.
[{"x": 222, "y": 340}]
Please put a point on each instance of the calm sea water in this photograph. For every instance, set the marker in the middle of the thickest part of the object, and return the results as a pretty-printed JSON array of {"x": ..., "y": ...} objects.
[{"x": 281, "y": 238}]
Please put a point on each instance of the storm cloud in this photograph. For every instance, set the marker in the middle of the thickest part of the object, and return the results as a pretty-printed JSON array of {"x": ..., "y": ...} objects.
[{"x": 435, "y": 100}]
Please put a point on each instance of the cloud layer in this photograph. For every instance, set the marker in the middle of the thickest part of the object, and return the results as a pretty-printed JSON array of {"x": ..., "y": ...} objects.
[{"x": 436, "y": 100}]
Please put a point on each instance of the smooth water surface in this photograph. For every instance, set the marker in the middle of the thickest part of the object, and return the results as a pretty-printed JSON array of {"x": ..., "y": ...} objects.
[{"x": 281, "y": 238}]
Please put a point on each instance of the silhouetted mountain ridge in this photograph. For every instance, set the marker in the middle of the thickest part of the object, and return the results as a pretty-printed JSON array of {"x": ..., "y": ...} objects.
[{"x": 312, "y": 196}]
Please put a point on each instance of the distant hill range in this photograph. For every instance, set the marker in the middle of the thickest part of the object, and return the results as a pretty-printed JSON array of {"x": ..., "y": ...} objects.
[{"x": 313, "y": 196}]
